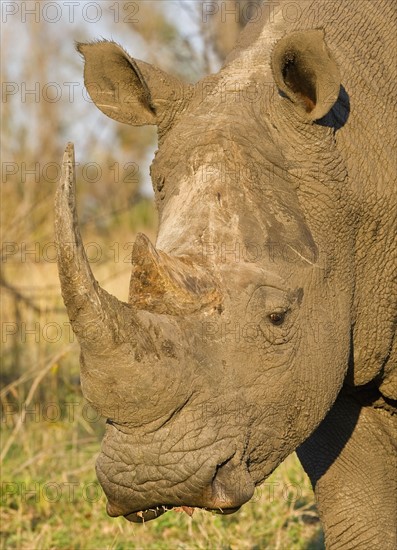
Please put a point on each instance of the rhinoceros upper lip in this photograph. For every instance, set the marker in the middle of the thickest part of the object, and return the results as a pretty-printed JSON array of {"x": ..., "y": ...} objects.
[{"x": 153, "y": 513}]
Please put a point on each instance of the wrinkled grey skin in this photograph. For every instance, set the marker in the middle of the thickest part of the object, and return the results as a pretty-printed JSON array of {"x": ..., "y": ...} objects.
[{"x": 263, "y": 321}]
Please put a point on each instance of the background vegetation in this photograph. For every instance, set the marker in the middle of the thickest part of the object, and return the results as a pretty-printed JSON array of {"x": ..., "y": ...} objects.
[{"x": 50, "y": 437}]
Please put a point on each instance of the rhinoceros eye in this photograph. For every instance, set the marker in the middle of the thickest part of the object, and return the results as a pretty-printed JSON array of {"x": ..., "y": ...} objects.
[{"x": 277, "y": 318}]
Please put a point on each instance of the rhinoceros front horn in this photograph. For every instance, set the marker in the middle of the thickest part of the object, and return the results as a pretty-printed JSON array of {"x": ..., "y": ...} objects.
[{"x": 90, "y": 308}]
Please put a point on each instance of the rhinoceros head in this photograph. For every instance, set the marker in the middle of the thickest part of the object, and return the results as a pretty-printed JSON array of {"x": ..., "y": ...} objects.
[{"x": 234, "y": 343}]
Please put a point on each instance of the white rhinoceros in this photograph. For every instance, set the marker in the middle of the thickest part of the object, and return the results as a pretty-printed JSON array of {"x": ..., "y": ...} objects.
[{"x": 264, "y": 318}]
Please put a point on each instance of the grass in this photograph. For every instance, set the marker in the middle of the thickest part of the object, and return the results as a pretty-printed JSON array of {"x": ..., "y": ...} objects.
[{"x": 50, "y": 438}]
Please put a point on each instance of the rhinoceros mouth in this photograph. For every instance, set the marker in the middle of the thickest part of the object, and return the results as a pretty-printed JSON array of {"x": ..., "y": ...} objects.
[
  {"x": 143, "y": 516},
  {"x": 231, "y": 486}
]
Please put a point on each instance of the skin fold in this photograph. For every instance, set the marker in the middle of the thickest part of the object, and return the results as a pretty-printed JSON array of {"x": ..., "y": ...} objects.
[{"x": 262, "y": 320}]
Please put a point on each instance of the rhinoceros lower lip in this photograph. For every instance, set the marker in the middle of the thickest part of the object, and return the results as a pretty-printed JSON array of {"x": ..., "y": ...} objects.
[
  {"x": 146, "y": 515},
  {"x": 153, "y": 513}
]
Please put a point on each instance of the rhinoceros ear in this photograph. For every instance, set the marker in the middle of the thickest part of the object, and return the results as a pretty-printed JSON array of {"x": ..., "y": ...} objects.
[
  {"x": 306, "y": 72},
  {"x": 126, "y": 89}
]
